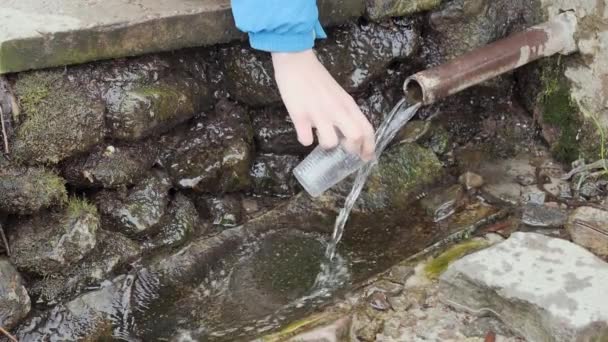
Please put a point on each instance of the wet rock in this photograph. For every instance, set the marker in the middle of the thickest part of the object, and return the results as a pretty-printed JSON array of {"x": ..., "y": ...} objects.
[
  {"x": 471, "y": 180},
  {"x": 532, "y": 278},
  {"x": 353, "y": 54},
  {"x": 543, "y": 216},
  {"x": 136, "y": 211},
  {"x": 225, "y": 211},
  {"x": 379, "y": 301},
  {"x": 403, "y": 170},
  {"x": 216, "y": 154},
  {"x": 93, "y": 315},
  {"x": 379, "y": 9},
  {"x": 47, "y": 243},
  {"x": 463, "y": 25},
  {"x": 155, "y": 105},
  {"x": 534, "y": 197},
  {"x": 58, "y": 118},
  {"x": 443, "y": 203},
  {"x": 272, "y": 175},
  {"x": 275, "y": 133},
  {"x": 588, "y": 227},
  {"x": 249, "y": 76},
  {"x": 178, "y": 225},
  {"x": 376, "y": 105},
  {"x": 112, "y": 251},
  {"x": 14, "y": 300},
  {"x": 111, "y": 166},
  {"x": 27, "y": 191},
  {"x": 356, "y": 54}
]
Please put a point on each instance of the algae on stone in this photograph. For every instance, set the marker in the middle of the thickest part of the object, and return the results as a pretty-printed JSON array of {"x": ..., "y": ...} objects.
[
  {"x": 57, "y": 119},
  {"x": 47, "y": 243},
  {"x": 26, "y": 191},
  {"x": 402, "y": 170},
  {"x": 439, "y": 264}
]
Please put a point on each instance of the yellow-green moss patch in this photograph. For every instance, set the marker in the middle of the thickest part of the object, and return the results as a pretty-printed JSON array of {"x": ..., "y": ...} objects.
[{"x": 438, "y": 265}]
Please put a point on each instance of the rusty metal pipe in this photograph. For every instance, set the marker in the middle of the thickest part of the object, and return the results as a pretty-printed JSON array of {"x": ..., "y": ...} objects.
[{"x": 544, "y": 40}]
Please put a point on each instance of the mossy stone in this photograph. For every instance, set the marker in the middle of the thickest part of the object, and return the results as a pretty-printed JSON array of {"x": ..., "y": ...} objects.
[
  {"x": 27, "y": 191},
  {"x": 57, "y": 120},
  {"x": 438, "y": 265}
]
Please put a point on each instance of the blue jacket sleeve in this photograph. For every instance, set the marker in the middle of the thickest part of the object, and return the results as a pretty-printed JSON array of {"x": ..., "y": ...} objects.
[{"x": 279, "y": 25}]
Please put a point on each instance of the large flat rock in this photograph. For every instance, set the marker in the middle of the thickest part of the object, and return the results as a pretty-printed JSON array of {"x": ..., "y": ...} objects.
[
  {"x": 45, "y": 33},
  {"x": 546, "y": 289}
]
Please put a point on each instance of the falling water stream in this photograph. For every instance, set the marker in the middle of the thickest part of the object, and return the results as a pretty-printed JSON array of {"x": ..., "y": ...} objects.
[{"x": 396, "y": 119}]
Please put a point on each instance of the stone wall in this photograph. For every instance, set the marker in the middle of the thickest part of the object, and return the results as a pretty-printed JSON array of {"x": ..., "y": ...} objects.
[{"x": 572, "y": 106}]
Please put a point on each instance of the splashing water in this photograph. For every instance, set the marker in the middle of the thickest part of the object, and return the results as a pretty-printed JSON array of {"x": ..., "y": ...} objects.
[{"x": 398, "y": 117}]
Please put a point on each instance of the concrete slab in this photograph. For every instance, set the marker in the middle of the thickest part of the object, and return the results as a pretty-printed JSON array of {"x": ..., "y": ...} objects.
[
  {"x": 546, "y": 289},
  {"x": 45, "y": 33}
]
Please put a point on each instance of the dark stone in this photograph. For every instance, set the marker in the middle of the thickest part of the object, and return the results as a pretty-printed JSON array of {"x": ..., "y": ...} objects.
[
  {"x": 216, "y": 154},
  {"x": 225, "y": 211},
  {"x": 179, "y": 224},
  {"x": 112, "y": 251},
  {"x": 50, "y": 242},
  {"x": 354, "y": 54},
  {"x": 111, "y": 166},
  {"x": 272, "y": 175},
  {"x": 58, "y": 118},
  {"x": 14, "y": 300},
  {"x": 27, "y": 191},
  {"x": 275, "y": 133},
  {"x": 138, "y": 210}
]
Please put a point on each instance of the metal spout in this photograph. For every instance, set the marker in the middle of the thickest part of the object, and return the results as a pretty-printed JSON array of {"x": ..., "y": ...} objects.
[{"x": 544, "y": 40}]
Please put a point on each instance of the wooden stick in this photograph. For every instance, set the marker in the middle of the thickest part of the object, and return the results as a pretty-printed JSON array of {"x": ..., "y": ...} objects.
[
  {"x": 6, "y": 246},
  {"x": 6, "y": 149},
  {"x": 7, "y": 334}
]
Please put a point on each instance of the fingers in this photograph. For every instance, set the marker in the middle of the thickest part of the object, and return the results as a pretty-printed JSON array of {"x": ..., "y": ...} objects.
[
  {"x": 328, "y": 138},
  {"x": 363, "y": 136},
  {"x": 303, "y": 128}
]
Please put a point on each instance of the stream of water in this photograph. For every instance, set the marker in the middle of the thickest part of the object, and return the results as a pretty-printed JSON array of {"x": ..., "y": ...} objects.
[{"x": 394, "y": 121}]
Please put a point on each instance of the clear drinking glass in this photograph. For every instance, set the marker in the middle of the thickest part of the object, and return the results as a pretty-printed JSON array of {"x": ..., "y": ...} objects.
[{"x": 322, "y": 169}]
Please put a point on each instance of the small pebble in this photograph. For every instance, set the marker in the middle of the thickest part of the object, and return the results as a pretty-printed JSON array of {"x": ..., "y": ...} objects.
[{"x": 471, "y": 180}]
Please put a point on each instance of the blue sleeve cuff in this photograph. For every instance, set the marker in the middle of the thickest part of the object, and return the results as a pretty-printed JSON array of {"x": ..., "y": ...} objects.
[{"x": 286, "y": 42}]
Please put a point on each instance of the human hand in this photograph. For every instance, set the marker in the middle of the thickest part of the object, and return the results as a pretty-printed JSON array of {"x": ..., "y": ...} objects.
[{"x": 314, "y": 99}]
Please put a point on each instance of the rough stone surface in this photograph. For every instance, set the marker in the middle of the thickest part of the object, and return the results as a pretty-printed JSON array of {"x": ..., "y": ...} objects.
[
  {"x": 588, "y": 74},
  {"x": 272, "y": 175},
  {"x": 47, "y": 243},
  {"x": 112, "y": 251},
  {"x": 588, "y": 227},
  {"x": 138, "y": 210},
  {"x": 274, "y": 132},
  {"x": 71, "y": 33},
  {"x": 14, "y": 300},
  {"x": 463, "y": 25},
  {"x": 58, "y": 118},
  {"x": 353, "y": 54},
  {"x": 544, "y": 288},
  {"x": 543, "y": 216},
  {"x": 26, "y": 191},
  {"x": 180, "y": 223},
  {"x": 215, "y": 155},
  {"x": 111, "y": 166},
  {"x": 226, "y": 211},
  {"x": 378, "y": 9}
]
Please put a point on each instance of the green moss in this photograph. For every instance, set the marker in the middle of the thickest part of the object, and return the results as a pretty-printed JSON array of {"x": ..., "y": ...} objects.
[
  {"x": 54, "y": 120},
  {"x": 165, "y": 101},
  {"x": 560, "y": 111},
  {"x": 80, "y": 207},
  {"x": 49, "y": 184},
  {"x": 438, "y": 265}
]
